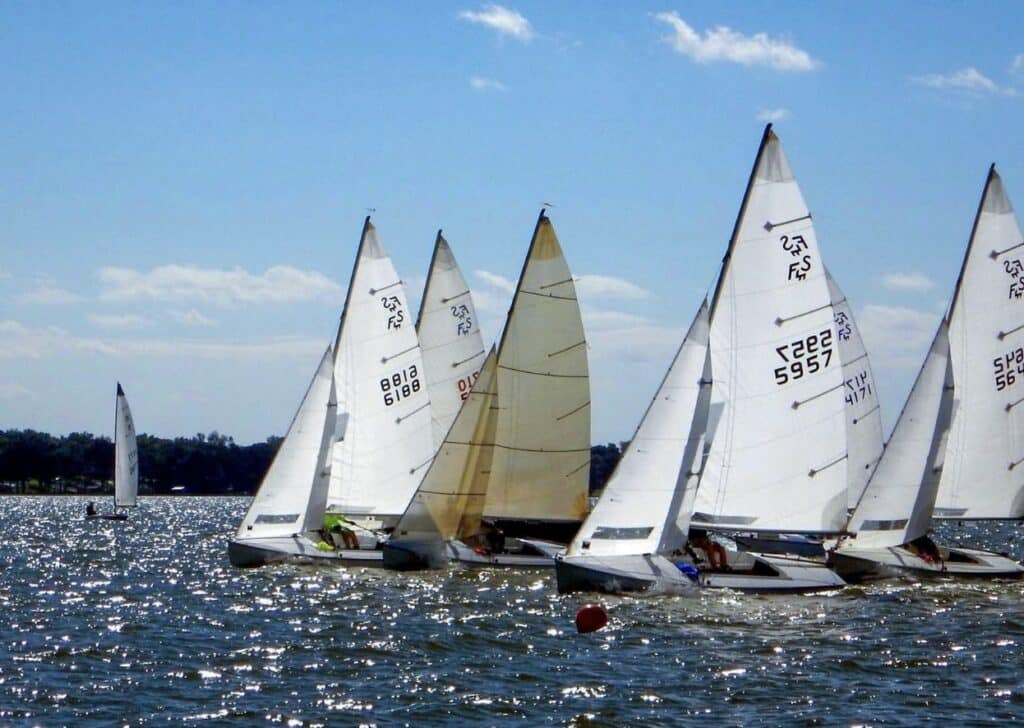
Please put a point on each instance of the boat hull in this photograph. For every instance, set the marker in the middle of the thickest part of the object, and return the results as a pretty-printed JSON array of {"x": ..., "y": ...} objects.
[
  {"x": 620, "y": 575},
  {"x": 414, "y": 555},
  {"x": 772, "y": 573},
  {"x": 107, "y": 517},
  {"x": 535, "y": 555},
  {"x": 251, "y": 553},
  {"x": 794, "y": 545},
  {"x": 868, "y": 564}
]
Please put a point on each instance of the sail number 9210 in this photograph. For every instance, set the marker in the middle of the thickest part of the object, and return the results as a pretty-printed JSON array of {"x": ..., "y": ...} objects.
[
  {"x": 804, "y": 356},
  {"x": 400, "y": 385}
]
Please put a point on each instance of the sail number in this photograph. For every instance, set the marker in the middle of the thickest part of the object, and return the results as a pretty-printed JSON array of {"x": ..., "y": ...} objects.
[
  {"x": 858, "y": 388},
  {"x": 797, "y": 247},
  {"x": 400, "y": 385},
  {"x": 466, "y": 384},
  {"x": 804, "y": 356},
  {"x": 396, "y": 315},
  {"x": 1008, "y": 368},
  {"x": 463, "y": 321}
]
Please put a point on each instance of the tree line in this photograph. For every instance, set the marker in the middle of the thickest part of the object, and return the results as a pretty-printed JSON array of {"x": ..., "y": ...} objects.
[{"x": 213, "y": 464}]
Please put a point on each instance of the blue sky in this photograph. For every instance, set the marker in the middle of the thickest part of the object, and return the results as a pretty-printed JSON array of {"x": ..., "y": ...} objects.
[{"x": 182, "y": 185}]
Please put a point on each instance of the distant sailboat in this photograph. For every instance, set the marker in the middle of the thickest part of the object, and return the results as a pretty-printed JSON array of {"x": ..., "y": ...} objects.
[
  {"x": 126, "y": 461},
  {"x": 450, "y": 339},
  {"x": 777, "y": 461},
  {"x": 385, "y": 440}
]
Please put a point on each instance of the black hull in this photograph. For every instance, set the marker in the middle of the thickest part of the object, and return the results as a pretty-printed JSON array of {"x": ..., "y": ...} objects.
[
  {"x": 413, "y": 556},
  {"x": 108, "y": 517},
  {"x": 560, "y": 532},
  {"x": 572, "y": 578},
  {"x": 249, "y": 557}
]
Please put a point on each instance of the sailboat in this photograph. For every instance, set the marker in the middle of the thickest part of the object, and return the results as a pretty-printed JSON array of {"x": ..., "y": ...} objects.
[
  {"x": 450, "y": 339},
  {"x": 633, "y": 537},
  {"x": 539, "y": 477},
  {"x": 449, "y": 502},
  {"x": 892, "y": 521},
  {"x": 777, "y": 461},
  {"x": 384, "y": 434},
  {"x": 982, "y": 477},
  {"x": 287, "y": 513},
  {"x": 126, "y": 461}
]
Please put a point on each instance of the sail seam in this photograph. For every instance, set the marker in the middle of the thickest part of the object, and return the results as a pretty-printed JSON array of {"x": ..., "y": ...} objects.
[
  {"x": 769, "y": 226},
  {"x": 548, "y": 295},
  {"x": 780, "y": 320},
  {"x": 543, "y": 374},
  {"x": 521, "y": 449},
  {"x": 799, "y": 403}
]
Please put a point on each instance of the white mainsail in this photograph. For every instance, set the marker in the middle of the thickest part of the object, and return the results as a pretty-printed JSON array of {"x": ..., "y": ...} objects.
[
  {"x": 450, "y": 500},
  {"x": 982, "y": 476},
  {"x": 638, "y": 510},
  {"x": 293, "y": 494},
  {"x": 897, "y": 504},
  {"x": 126, "y": 454},
  {"x": 778, "y": 458},
  {"x": 541, "y": 464},
  {"x": 863, "y": 414},
  {"x": 449, "y": 333},
  {"x": 385, "y": 440}
]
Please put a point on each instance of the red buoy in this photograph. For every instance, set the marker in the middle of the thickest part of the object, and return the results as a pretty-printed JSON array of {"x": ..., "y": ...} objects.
[{"x": 591, "y": 618}]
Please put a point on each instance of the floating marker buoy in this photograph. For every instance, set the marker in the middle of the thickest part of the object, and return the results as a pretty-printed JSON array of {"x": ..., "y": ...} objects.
[{"x": 591, "y": 618}]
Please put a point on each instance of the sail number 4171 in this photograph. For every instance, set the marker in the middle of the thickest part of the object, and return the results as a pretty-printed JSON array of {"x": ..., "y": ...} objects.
[{"x": 804, "y": 356}]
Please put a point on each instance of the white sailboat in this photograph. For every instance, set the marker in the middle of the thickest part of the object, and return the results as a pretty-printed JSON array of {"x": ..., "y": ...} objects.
[
  {"x": 777, "y": 462},
  {"x": 982, "y": 477},
  {"x": 635, "y": 534},
  {"x": 126, "y": 462},
  {"x": 450, "y": 339},
  {"x": 287, "y": 513},
  {"x": 384, "y": 440},
  {"x": 449, "y": 502}
]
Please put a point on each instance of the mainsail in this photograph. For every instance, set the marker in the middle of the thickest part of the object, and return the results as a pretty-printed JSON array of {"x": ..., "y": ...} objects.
[
  {"x": 983, "y": 475},
  {"x": 778, "y": 458},
  {"x": 897, "y": 504},
  {"x": 126, "y": 454},
  {"x": 449, "y": 334},
  {"x": 384, "y": 430},
  {"x": 863, "y": 415},
  {"x": 640, "y": 505},
  {"x": 542, "y": 460},
  {"x": 293, "y": 494}
]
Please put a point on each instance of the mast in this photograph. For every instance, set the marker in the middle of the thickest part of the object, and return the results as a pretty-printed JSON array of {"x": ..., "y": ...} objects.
[
  {"x": 541, "y": 219},
  {"x": 970, "y": 242},
  {"x": 430, "y": 276},
  {"x": 367, "y": 226}
]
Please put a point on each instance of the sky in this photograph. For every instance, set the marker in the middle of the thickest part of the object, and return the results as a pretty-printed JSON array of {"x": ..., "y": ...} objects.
[{"x": 182, "y": 185}]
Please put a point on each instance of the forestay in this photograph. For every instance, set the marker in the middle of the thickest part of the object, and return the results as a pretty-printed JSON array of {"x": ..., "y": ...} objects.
[
  {"x": 449, "y": 334},
  {"x": 293, "y": 494},
  {"x": 863, "y": 415},
  {"x": 983, "y": 475},
  {"x": 126, "y": 454},
  {"x": 778, "y": 458},
  {"x": 385, "y": 436},
  {"x": 450, "y": 499},
  {"x": 897, "y": 504},
  {"x": 542, "y": 461},
  {"x": 638, "y": 510}
]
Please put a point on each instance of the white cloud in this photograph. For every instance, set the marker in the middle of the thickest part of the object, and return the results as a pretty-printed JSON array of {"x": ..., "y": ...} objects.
[
  {"x": 48, "y": 294},
  {"x": 18, "y": 341},
  {"x": 594, "y": 285},
  {"x": 897, "y": 337},
  {"x": 502, "y": 19},
  {"x": 595, "y": 318},
  {"x": 192, "y": 318},
  {"x": 119, "y": 321},
  {"x": 1017, "y": 65},
  {"x": 223, "y": 287},
  {"x": 495, "y": 281},
  {"x": 773, "y": 115},
  {"x": 966, "y": 79},
  {"x": 486, "y": 84},
  {"x": 908, "y": 282},
  {"x": 724, "y": 44},
  {"x": 15, "y": 391}
]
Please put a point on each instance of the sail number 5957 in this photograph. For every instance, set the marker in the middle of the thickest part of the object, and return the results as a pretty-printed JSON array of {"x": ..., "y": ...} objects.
[
  {"x": 400, "y": 385},
  {"x": 804, "y": 356}
]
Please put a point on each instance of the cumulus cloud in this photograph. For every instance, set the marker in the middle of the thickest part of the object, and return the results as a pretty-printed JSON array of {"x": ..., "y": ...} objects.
[
  {"x": 897, "y": 337},
  {"x": 486, "y": 84},
  {"x": 773, "y": 115},
  {"x": 966, "y": 79},
  {"x": 9, "y": 390},
  {"x": 222, "y": 287},
  {"x": 594, "y": 285},
  {"x": 119, "y": 321},
  {"x": 504, "y": 20},
  {"x": 192, "y": 318},
  {"x": 496, "y": 280},
  {"x": 907, "y": 282},
  {"x": 1017, "y": 64},
  {"x": 48, "y": 294},
  {"x": 724, "y": 44}
]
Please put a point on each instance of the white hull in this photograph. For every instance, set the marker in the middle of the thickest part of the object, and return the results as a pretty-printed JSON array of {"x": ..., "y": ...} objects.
[
  {"x": 657, "y": 574},
  {"x": 250, "y": 552},
  {"x": 534, "y": 554},
  {"x": 867, "y": 564}
]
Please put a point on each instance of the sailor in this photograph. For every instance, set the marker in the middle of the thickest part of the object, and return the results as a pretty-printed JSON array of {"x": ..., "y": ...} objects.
[
  {"x": 90, "y": 509},
  {"x": 717, "y": 558}
]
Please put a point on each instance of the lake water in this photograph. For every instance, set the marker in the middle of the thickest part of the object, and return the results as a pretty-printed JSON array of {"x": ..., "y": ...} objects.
[{"x": 146, "y": 622}]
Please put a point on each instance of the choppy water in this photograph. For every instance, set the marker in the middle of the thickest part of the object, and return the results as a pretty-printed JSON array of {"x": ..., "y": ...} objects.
[{"x": 146, "y": 622}]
